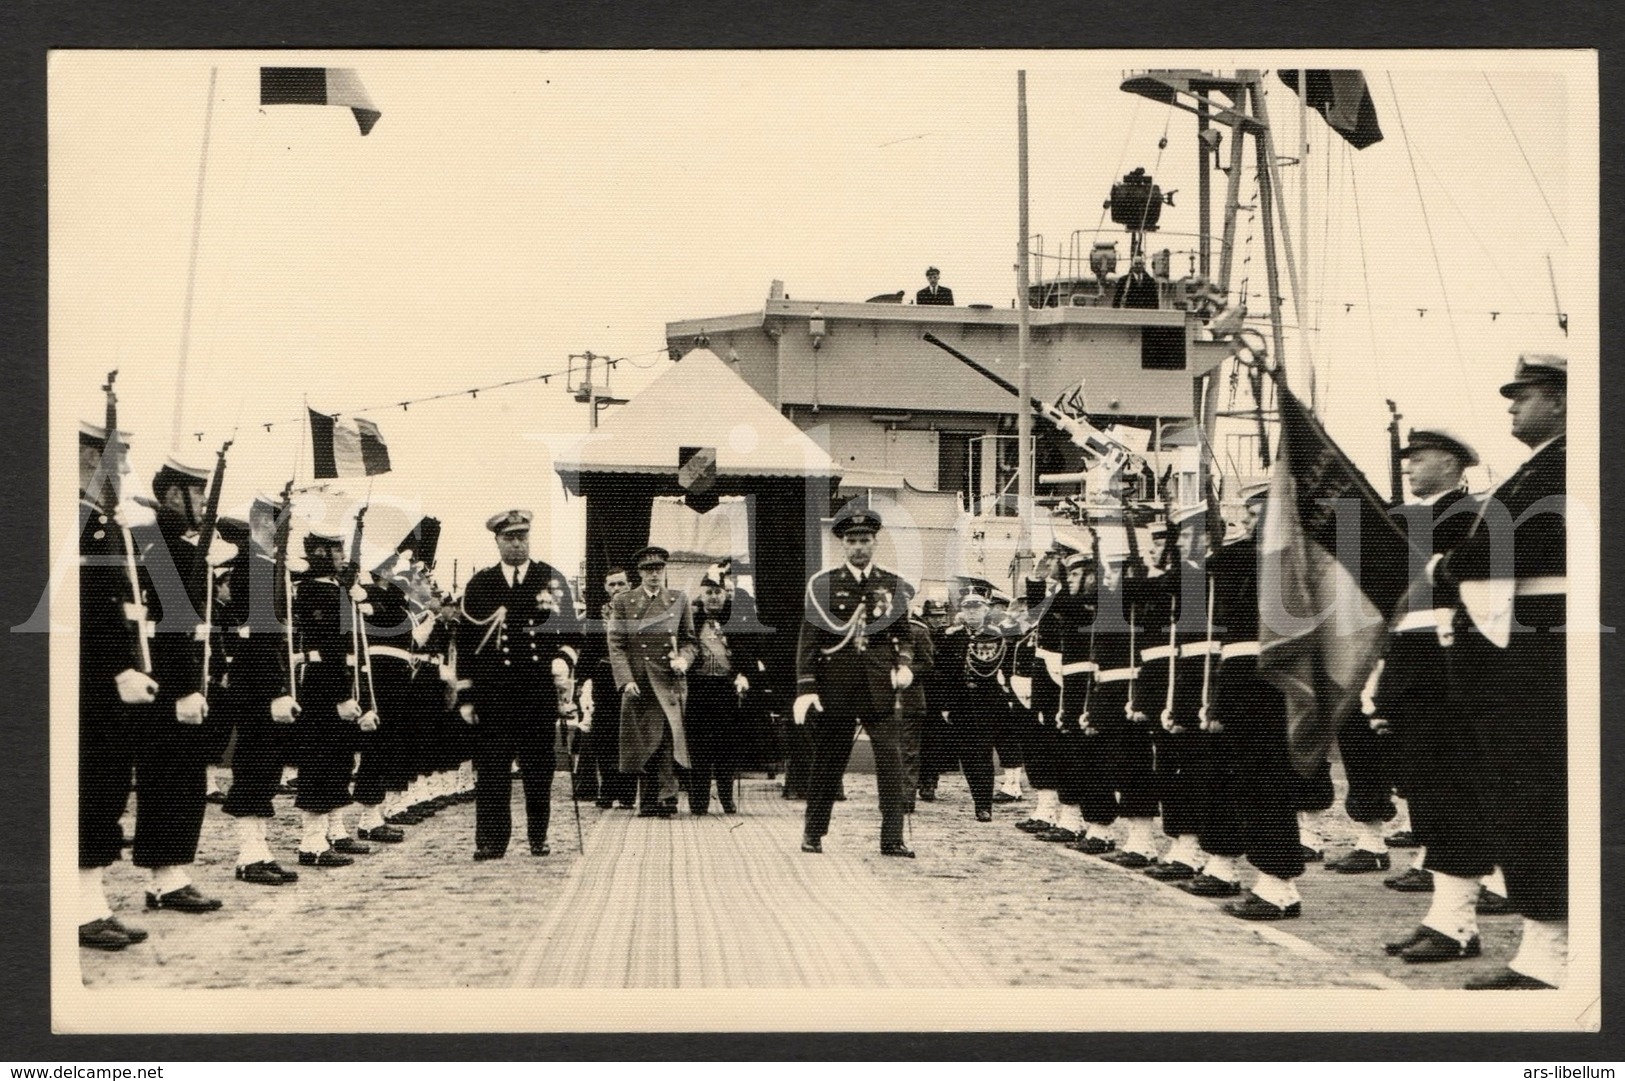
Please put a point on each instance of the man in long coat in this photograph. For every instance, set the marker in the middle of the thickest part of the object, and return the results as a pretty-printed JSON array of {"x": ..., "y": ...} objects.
[{"x": 651, "y": 646}]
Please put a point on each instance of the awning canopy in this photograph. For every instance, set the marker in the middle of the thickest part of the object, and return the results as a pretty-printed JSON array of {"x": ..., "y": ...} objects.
[{"x": 699, "y": 402}]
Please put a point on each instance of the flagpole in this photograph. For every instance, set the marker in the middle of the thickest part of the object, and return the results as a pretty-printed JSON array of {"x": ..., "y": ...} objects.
[
  {"x": 1024, "y": 415},
  {"x": 191, "y": 271}
]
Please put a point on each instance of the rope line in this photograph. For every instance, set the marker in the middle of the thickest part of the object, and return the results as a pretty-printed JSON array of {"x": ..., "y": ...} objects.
[{"x": 1527, "y": 163}]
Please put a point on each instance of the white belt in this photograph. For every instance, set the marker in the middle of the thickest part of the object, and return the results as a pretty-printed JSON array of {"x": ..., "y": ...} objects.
[
  {"x": 1200, "y": 649},
  {"x": 1550, "y": 585},
  {"x": 1116, "y": 675},
  {"x": 1239, "y": 649},
  {"x": 1157, "y": 653},
  {"x": 313, "y": 656},
  {"x": 1428, "y": 619},
  {"x": 1079, "y": 666},
  {"x": 390, "y": 651}
]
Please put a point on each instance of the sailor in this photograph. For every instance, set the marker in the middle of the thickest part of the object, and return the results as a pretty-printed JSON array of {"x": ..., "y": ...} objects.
[
  {"x": 254, "y": 698},
  {"x": 912, "y": 705},
  {"x": 854, "y": 656},
  {"x": 1252, "y": 805},
  {"x": 519, "y": 646},
  {"x": 1181, "y": 745},
  {"x": 934, "y": 293},
  {"x": 1035, "y": 682},
  {"x": 391, "y": 634},
  {"x": 175, "y": 742},
  {"x": 1066, "y": 653},
  {"x": 601, "y": 704},
  {"x": 1508, "y": 671},
  {"x": 652, "y": 646},
  {"x": 717, "y": 685},
  {"x": 1097, "y": 676},
  {"x": 975, "y": 661},
  {"x": 1409, "y": 704},
  {"x": 934, "y": 731},
  {"x": 1007, "y": 721},
  {"x": 113, "y": 686},
  {"x": 330, "y": 704}
]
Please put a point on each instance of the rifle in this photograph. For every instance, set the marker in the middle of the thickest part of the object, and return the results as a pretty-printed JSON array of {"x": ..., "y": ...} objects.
[
  {"x": 1171, "y": 565},
  {"x": 1133, "y": 574},
  {"x": 358, "y": 634},
  {"x": 283, "y": 579},
  {"x": 112, "y": 467},
  {"x": 1094, "y": 622},
  {"x": 201, "y": 586},
  {"x": 1396, "y": 482}
]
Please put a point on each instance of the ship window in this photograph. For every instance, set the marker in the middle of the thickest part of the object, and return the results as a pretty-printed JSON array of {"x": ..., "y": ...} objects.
[{"x": 1162, "y": 349}]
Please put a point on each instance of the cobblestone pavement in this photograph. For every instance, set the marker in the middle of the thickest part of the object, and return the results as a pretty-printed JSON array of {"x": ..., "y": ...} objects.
[{"x": 999, "y": 905}]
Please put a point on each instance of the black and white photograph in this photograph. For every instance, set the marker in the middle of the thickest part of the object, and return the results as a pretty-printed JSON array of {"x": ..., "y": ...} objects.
[{"x": 785, "y": 541}]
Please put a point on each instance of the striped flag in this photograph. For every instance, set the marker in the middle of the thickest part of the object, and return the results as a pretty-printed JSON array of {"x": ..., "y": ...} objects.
[
  {"x": 318, "y": 86},
  {"x": 342, "y": 450},
  {"x": 1332, "y": 568}
]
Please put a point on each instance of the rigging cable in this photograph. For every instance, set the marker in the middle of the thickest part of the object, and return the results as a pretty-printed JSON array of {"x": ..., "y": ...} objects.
[
  {"x": 1527, "y": 163},
  {"x": 1438, "y": 267}
]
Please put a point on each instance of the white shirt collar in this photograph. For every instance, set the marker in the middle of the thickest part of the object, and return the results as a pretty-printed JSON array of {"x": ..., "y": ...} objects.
[
  {"x": 514, "y": 575},
  {"x": 1546, "y": 444},
  {"x": 860, "y": 575}
]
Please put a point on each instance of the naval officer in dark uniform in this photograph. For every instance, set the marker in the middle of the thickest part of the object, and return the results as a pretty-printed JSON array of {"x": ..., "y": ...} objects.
[
  {"x": 519, "y": 646},
  {"x": 1509, "y": 669},
  {"x": 854, "y": 656}
]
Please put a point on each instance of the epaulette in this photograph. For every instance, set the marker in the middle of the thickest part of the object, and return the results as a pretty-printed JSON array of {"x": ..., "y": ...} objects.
[{"x": 957, "y": 628}]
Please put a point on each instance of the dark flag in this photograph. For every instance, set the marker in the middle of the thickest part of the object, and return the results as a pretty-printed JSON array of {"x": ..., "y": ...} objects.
[
  {"x": 343, "y": 450},
  {"x": 1344, "y": 100},
  {"x": 1332, "y": 569},
  {"x": 318, "y": 86}
]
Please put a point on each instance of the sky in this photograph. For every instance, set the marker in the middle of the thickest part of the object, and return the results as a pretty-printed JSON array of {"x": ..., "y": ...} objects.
[{"x": 512, "y": 208}]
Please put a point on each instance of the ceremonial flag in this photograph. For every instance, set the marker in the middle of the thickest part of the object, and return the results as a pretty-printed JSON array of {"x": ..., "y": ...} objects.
[
  {"x": 343, "y": 450},
  {"x": 1332, "y": 568},
  {"x": 1344, "y": 100},
  {"x": 318, "y": 86}
]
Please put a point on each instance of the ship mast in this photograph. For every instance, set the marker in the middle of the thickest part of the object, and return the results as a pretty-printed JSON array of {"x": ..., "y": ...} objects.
[{"x": 1024, "y": 416}]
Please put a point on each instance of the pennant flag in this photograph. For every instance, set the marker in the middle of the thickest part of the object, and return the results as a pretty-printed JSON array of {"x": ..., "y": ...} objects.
[
  {"x": 318, "y": 86},
  {"x": 1332, "y": 568},
  {"x": 1344, "y": 100},
  {"x": 341, "y": 450}
]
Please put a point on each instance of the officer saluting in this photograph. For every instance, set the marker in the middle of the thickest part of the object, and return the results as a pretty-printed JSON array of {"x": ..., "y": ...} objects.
[{"x": 853, "y": 658}]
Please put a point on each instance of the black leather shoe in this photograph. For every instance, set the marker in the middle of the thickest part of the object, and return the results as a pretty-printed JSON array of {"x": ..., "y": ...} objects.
[
  {"x": 325, "y": 858},
  {"x": 649, "y": 810},
  {"x": 185, "y": 899},
  {"x": 260, "y": 874},
  {"x": 483, "y": 854},
  {"x": 1253, "y": 907},
  {"x": 1057, "y": 835},
  {"x": 404, "y": 818},
  {"x": 102, "y": 935},
  {"x": 1414, "y": 880},
  {"x": 426, "y": 809},
  {"x": 604, "y": 804},
  {"x": 215, "y": 797},
  {"x": 384, "y": 835},
  {"x": 1134, "y": 861},
  {"x": 729, "y": 807},
  {"x": 699, "y": 810},
  {"x": 1210, "y": 886},
  {"x": 1034, "y": 825},
  {"x": 134, "y": 934},
  {"x": 1092, "y": 846},
  {"x": 290, "y": 876},
  {"x": 285, "y": 790},
  {"x": 1359, "y": 862},
  {"x": 1431, "y": 947},
  {"x": 1402, "y": 839},
  {"x": 1491, "y": 903},
  {"x": 811, "y": 844},
  {"x": 984, "y": 816},
  {"x": 928, "y": 795},
  {"x": 350, "y": 847},
  {"x": 543, "y": 849},
  {"x": 1005, "y": 797},
  {"x": 1173, "y": 871},
  {"x": 1507, "y": 980},
  {"x": 1400, "y": 945},
  {"x": 667, "y": 810},
  {"x": 897, "y": 849},
  {"x": 1311, "y": 855}
]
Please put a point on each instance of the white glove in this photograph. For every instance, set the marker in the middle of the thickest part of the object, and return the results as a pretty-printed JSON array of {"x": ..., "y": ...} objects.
[
  {"x": 297, "y": 564},
  {"x": 561, "y": 668},
  {"x": 679, "y": 664},
  {"x": 585, "y": 722},
  {"x": 466, "y": 711},
  {"x": 192, "y": 709},
  {"x": 135, "y": 515},
  {"x": 135, "y": 688},
  {"x": 1023, "y": 688},
  {"x": 631, "y": 690},
  {"x": 284, "y": 710},
  {"x": 585, "y": 697},
  {"x": 358, "y": 593},
  {"x": 221, "y": 552},
  {"x": 350, "y": 709},
  {"x": 368, "y": 721},
  {"x": 902, "y": 677},
  {"x": 364, "y": 609},
  {"x": 1168, "y": 724},
  {"x": 1380, "y": 725},
  {"x": 741, "y": 684},
  {"x": 805, "y": 702}
]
